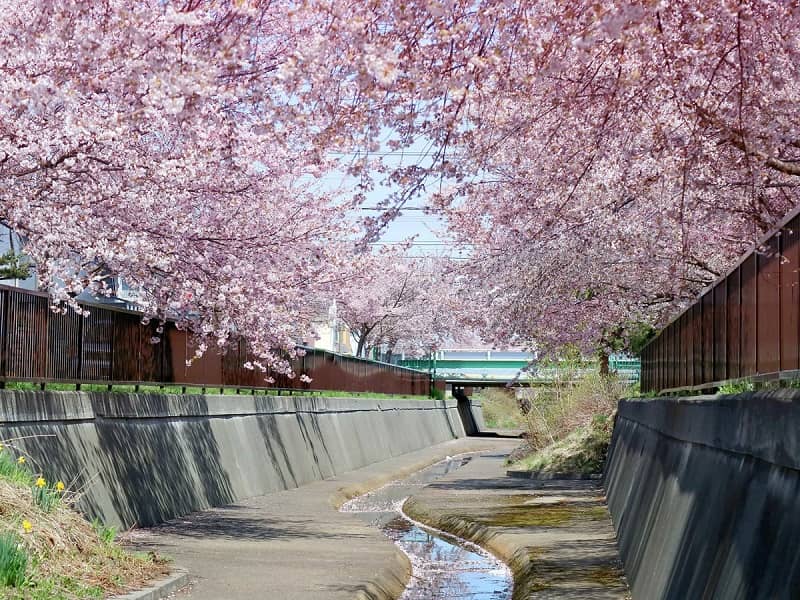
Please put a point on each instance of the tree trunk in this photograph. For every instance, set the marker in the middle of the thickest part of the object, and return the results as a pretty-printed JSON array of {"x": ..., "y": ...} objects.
[{"x": 603, "y": 362}]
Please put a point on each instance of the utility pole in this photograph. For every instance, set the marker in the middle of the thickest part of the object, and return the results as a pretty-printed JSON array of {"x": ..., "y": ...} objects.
[{"x": 432, "y": 370}]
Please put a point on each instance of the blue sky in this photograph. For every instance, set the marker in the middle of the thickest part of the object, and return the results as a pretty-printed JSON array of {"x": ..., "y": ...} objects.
[{"x": 429, "y": 230}]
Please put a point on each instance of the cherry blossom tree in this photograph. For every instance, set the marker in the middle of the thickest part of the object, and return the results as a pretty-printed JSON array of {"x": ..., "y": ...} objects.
[
  {"x": 601, "y": 160},
  {"x": 633, "y": 150},
  {"x": 403, "y": 303},
  {"x": 145, "y": 140},
  {"x": 608, "y": 159}
]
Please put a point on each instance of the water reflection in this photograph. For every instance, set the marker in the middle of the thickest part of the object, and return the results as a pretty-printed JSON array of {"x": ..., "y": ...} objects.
[{"x": 443, "y": 566}]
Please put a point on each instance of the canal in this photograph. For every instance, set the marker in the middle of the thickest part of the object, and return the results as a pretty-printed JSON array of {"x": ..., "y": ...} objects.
[{"x": 443, "y": 566}]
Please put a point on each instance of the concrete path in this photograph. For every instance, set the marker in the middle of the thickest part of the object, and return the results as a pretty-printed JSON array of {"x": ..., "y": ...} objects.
[
  {"x": 556, "y": 535},
  {"x": 295, "y": 544}
]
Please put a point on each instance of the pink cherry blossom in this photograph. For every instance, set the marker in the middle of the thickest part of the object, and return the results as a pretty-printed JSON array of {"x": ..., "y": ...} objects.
[
  {"x": 402, "y": 304},
  {"x": 600, "y": 161}
]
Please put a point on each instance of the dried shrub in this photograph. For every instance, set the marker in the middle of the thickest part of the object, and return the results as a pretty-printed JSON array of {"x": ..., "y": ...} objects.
[{"x": 569, "y": 403}]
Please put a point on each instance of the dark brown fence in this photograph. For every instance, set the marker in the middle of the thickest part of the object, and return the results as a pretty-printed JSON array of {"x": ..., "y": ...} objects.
[
  {"x": 111, "y": 346},
  {"x": 747, "y": 325}
]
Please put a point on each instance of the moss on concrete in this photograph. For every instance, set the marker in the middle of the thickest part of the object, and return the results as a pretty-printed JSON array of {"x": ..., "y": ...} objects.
[
  {"x": 605, "y": 575},
  {"x": 544, "y": 575},
  {"x": 530, "y": 516},
  {"x": 521, "y": 510}
]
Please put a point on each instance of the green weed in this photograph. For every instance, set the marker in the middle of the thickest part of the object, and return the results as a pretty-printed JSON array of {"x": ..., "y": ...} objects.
[
  {"x": 737, "y": 387},
  {"x": 501, "y": 409},
  {"x": 225, "y": 391},
  {"x": 12, "y": 470},
  {"x": 54, "y": 587},
  {"x": 13, "y": 561},
  {"x": 45, "y": 497},
  {"x": 106, "y": 534}
]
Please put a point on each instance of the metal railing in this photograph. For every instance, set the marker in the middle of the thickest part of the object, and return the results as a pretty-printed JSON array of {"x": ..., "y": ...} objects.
[
  {"x": 626, "y": 368},
  {"x": 745, "y": 326},
  {"x": 111, "y": 346}
]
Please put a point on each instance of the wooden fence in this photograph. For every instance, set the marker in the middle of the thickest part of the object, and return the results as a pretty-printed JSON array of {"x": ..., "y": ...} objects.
[
  {"x": 111, "y": 346},
  {"x": 747, "y": 325}
]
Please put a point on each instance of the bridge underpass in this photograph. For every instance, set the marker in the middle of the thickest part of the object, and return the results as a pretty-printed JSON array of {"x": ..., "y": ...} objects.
[
  {"x": 461, "y": 373},
  {"x": 487, "y": 368}
]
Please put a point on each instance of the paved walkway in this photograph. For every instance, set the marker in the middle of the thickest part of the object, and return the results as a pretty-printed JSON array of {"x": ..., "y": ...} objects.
[
  {"x": 556, "y": 535},
  {"x": 295, "y": 544}
]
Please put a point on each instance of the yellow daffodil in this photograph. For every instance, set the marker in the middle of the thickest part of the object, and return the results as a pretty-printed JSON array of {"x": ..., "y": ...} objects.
[
  {"x": 60, "y": 486},
  {"x": 26, "y": 525},
  {"x": 21, "y": 460},
  {"x": 40, "y": 483}
]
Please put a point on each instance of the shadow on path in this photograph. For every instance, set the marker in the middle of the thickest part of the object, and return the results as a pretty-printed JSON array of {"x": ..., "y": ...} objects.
[{"x": 229, "y": 523}]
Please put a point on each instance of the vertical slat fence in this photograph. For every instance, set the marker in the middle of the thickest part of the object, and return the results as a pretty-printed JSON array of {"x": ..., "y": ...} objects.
[
  {"x": 113, "y": 346},
  {"x": 747, "y": 325}
]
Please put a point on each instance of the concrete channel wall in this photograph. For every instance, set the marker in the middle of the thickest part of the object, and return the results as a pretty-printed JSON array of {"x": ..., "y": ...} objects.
[
  {"x": 704, "y": 493},
  {"x": 476, "y": 406},
  {"x": 146, "y": 458}
]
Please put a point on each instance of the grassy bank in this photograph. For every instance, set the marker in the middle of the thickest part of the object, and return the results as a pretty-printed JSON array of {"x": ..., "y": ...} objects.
[
  {"x": 500, "y": 409},
  {"x": 177, "y": 389},
  {"x": 568, "y": 425},
  {"x": 582, "y": 451},
  {"x": 49, "y": 551}
]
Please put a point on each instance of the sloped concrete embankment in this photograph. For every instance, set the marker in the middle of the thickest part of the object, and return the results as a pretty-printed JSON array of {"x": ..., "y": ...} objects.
[
  {"x": 705, "y": 495},
  {"x": 476, "y": 406},
  {"x": 145, "y": 458}
]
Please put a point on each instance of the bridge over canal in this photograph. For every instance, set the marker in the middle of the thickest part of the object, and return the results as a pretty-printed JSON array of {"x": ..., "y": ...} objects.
[{"x": 492, "y": 368}]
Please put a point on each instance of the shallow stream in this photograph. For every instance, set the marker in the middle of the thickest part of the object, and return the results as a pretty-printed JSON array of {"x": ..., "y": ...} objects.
[{"x": 443, "y": 566}]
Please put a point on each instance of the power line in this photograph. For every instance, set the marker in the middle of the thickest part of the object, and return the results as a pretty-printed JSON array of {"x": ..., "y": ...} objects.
[
  {"x": 401, "y": 209},
  {"x": 398, "y": 153},
  {"x": 393, "y": 243}
]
